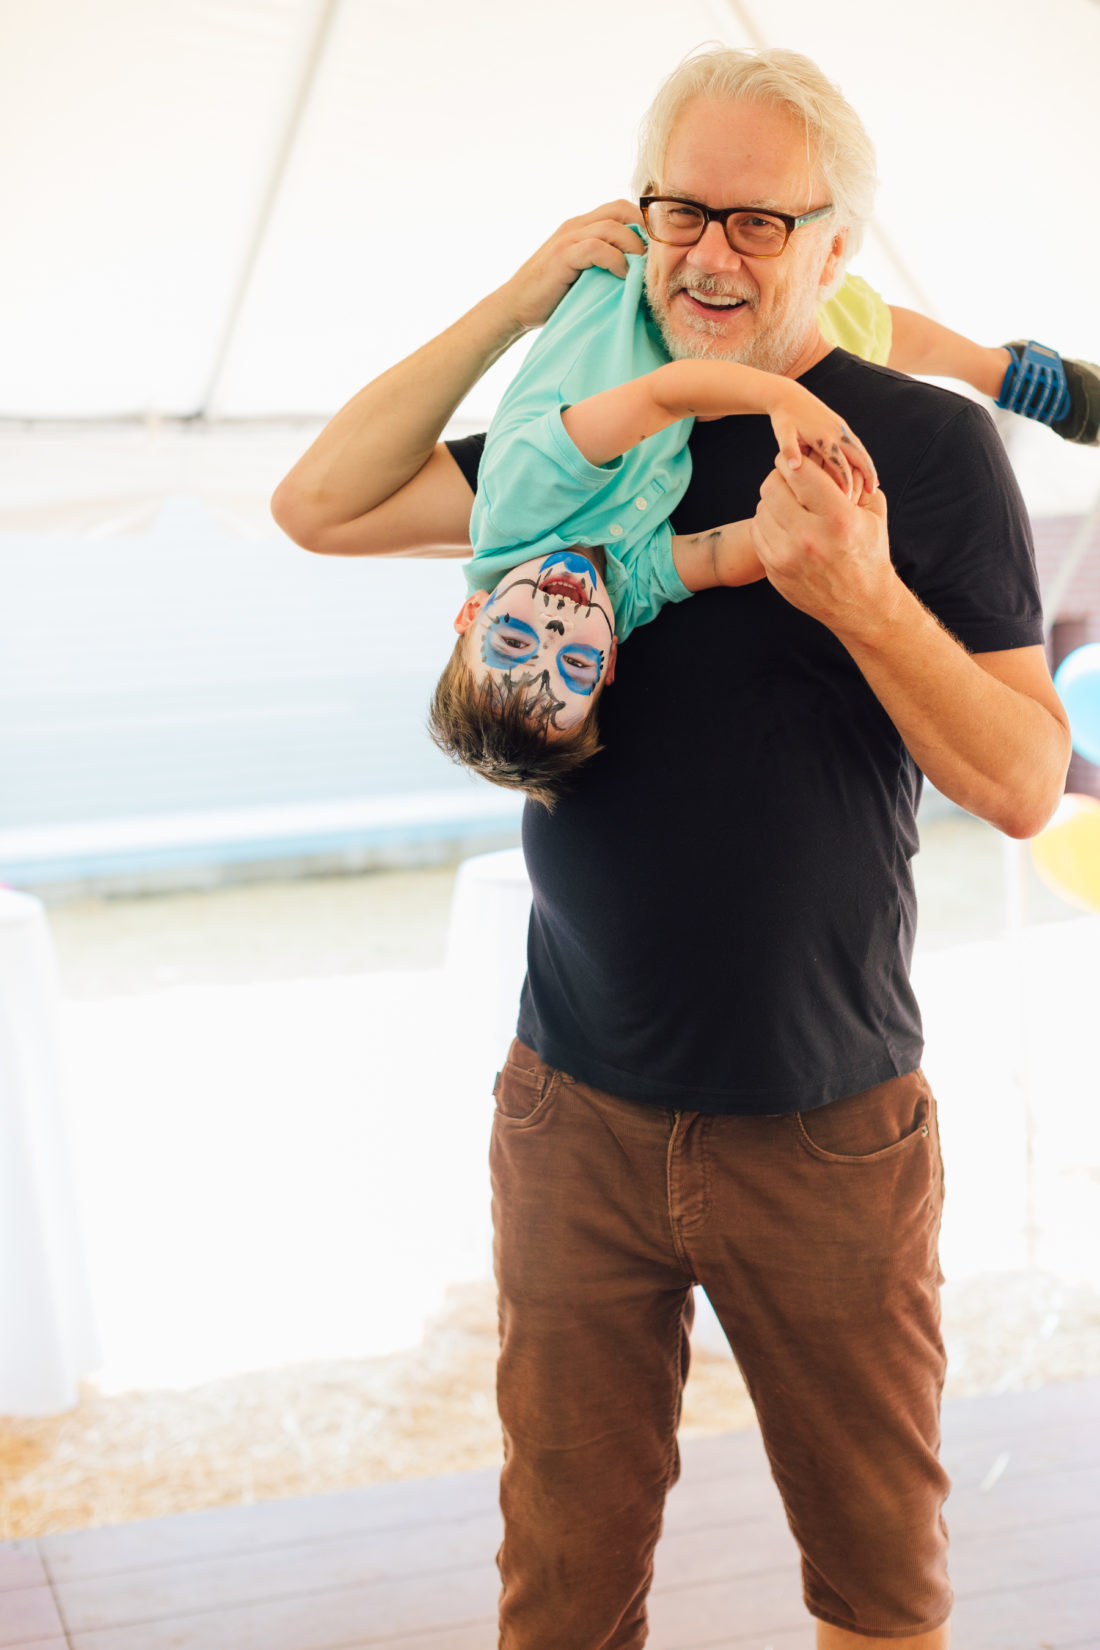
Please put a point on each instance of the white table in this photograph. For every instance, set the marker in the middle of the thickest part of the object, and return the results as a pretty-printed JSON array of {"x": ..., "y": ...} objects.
[
  {"x": 47, "y": 1331},
  {"x": 487, "y": 944}
]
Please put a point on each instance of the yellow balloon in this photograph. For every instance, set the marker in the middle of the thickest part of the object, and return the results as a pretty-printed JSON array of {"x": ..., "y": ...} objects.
[{"x": 1067, "y": 854}]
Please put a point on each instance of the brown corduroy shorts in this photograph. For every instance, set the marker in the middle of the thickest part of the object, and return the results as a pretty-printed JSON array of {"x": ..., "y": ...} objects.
[{"x": 815, "y": 1237}]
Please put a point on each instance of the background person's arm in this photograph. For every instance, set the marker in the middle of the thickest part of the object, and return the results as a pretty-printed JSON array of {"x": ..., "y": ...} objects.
[
  {"x": 377, "y": 481},
  {"x": 922, "y": 346}
]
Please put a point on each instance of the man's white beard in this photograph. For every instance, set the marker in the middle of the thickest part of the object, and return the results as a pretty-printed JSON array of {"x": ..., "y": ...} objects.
[{"x": 773, "y": 351}]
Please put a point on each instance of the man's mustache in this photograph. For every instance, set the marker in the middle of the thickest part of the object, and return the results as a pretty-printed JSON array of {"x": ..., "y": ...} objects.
[{"x": 709, "y": 285}]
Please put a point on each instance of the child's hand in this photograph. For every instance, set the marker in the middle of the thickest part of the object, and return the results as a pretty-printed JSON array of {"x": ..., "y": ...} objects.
[
  {"x": 860, "y": 494},
  {"x": 805, "y": 425}
]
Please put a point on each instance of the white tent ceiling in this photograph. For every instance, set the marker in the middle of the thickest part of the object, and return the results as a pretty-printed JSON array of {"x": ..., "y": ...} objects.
[{"x": 186, "y": 192}]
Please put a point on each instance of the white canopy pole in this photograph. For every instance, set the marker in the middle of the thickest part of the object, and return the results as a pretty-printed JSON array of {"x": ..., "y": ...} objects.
[{"x": 323, "y": 28}]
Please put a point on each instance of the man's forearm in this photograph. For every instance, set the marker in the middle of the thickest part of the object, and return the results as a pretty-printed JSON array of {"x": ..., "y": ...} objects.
[
  {"x": 386, "y": 433},
  {"x": 372, "y": 482},
  {"x": 974, "y": 726},
  {"x": 988, "y": 729}
]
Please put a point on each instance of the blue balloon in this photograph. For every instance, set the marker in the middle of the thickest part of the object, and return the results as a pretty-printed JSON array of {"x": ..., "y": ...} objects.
[{"x": 1077, "y": 680}]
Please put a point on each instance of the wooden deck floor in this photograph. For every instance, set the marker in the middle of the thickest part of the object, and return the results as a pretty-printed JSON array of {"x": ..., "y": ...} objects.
[{"x": 409, "y": 1566}]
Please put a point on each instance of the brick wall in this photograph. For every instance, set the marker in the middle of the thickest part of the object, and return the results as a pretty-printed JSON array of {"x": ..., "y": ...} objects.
[{"x": 1078, "y": 620}]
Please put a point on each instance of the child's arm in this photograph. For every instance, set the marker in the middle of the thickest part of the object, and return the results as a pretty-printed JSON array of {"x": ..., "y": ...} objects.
[
  {"x": 724, "y": 555},
  {"x": 923, "y": 346},
  {"x": 607, "y": 424},
  {"x": 1030, "y": 379}
]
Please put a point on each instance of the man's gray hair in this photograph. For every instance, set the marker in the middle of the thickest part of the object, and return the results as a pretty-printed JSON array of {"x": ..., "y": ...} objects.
[{"x": 837, "y": 142}]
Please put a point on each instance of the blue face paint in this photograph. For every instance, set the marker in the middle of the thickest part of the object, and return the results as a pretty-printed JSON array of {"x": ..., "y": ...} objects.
[
  {"x": 581, "y": 667},
  {"x": 507, "y": 642},
  {"x": 556, "y": 653}
]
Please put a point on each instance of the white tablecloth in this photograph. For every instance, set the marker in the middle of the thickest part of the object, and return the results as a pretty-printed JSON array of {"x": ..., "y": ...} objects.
[
  {"x": 47, "y": 1331},
  {"x": 487, "y": 945}
]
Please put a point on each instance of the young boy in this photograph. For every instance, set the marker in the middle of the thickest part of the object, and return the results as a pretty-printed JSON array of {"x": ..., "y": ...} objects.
[{"x": 517, "y": 699}]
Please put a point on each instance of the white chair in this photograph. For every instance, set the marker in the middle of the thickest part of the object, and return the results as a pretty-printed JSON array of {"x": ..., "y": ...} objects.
[{"x": 487, "y": 944}]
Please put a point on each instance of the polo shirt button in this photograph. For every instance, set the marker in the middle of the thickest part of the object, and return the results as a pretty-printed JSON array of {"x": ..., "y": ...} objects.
[
  {"x": 615, "y": 530},
  {"x": 641, "y": 504}
]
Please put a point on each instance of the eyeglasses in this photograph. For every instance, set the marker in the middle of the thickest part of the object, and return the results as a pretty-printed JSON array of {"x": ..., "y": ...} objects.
[{"x": 755, "y": 234}]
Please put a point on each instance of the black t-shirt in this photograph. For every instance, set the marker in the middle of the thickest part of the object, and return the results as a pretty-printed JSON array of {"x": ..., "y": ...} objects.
[{"x": 723, "y": 910}]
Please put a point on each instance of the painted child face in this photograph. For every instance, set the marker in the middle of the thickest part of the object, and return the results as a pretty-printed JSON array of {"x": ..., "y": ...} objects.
[{"x": 549, "y": 624}]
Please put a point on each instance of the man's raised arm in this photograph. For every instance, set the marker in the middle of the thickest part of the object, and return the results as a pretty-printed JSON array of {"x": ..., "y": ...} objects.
[{"x": 377, "y": 481}]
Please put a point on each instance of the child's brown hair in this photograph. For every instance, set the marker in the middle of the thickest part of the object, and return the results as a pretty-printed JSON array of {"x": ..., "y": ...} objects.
[{"x": 494, "y": 728}]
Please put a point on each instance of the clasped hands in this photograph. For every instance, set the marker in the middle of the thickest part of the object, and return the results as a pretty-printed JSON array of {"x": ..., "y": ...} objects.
[{"x": 828, "y": 555}]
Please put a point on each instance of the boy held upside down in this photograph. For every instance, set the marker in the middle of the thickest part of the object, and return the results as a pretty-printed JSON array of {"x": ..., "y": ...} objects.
[
  {"x": 517, "y": 699},
  {"x": 551, "y": 485}
]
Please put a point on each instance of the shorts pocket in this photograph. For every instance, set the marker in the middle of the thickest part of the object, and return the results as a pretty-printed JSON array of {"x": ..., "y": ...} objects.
[
  {"x": 524, "y": 1087},
  {"x": 878, "y": 1123}
]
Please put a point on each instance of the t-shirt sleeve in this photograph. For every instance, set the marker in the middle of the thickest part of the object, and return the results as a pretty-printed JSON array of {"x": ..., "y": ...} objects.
[
  {"x": 647, "y": 583},
  {"x": 466, "y": 450},
  {"x": 961, "y": 540},
  {"x": 533, "y": 484},
  {"x": 855, "y": 318}
]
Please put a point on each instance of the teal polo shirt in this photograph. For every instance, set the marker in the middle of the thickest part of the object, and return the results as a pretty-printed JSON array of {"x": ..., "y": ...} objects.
[{"x": 537, "y": 494}]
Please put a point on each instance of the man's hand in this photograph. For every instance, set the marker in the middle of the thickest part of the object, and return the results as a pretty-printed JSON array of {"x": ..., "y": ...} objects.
[
  {"x": 986, "y": 728},
  {"x": 377, "y": 480},
  {"x": 601, "y": 238},
  {"x": 827, "y": 555}
]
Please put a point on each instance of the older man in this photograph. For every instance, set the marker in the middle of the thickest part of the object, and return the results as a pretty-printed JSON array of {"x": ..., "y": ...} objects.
[{"x": 717, "y": 1073}]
